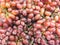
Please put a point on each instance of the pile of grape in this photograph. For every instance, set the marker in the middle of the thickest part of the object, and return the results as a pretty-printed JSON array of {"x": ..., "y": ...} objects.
[{"x": 29, "y": 22}]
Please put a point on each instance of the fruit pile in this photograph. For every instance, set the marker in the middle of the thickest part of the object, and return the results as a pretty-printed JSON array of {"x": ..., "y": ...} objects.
[{"x": 29, "y": 22}]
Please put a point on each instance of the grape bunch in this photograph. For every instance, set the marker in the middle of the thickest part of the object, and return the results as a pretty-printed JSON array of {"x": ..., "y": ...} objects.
[{"x": 29, "y": 22}]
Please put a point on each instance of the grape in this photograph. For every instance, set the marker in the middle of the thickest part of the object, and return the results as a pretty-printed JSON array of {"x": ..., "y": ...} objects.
[
  {"x": 57, "y": 42},
  {"x": 51, "y": 42},
  {"x": 29, "y": 22}
]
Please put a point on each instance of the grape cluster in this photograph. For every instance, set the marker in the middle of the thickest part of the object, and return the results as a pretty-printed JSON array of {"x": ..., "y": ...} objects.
[{"x": 29, "y": 22}]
